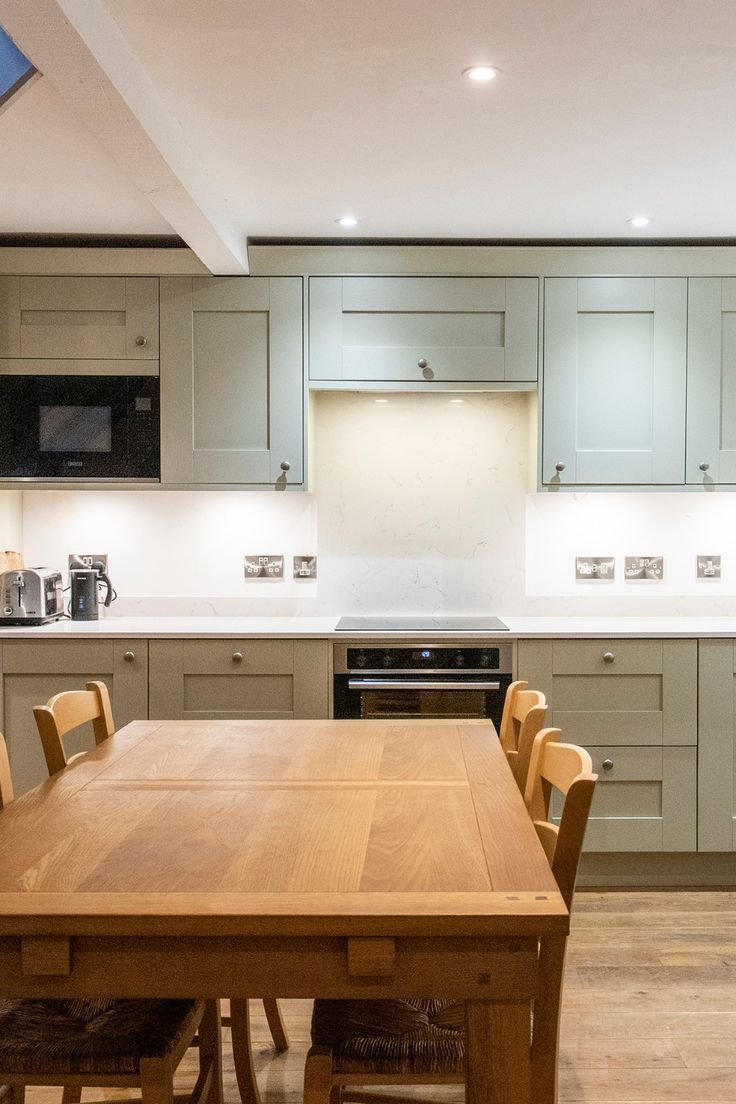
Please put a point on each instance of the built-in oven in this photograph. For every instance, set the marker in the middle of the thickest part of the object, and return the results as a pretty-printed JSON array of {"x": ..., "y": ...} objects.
[
  {"x": 79, "y": 427},
  {"x": 375, "y": 680}
]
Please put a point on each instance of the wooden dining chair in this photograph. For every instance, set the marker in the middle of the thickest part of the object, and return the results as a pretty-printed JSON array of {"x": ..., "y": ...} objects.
[
  {"x": 524, "y": 713},
  {"x": 421, "y": 1041},
  {"x": 76, "y": 1044},
  {"x": 68, "y": 710}
]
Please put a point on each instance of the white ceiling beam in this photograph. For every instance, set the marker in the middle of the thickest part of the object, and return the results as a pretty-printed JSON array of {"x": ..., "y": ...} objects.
[{"x": 80, "y": 49}]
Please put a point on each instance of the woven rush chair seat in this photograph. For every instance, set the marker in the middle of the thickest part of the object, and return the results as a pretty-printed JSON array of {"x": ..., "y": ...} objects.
[
  {"x": 392, "y": 1036},
  {"x": 89, "y": 1037}
]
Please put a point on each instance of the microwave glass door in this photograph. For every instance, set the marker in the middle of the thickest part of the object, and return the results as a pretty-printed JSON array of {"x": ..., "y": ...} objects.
[{"x": 79, "y": 427}]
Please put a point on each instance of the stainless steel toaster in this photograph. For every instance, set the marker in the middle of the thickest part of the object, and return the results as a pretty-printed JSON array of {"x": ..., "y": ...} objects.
[{"x": 31, "y": 596}]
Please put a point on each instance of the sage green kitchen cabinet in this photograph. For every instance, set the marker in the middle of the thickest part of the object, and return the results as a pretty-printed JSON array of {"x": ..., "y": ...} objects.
[
  {"x": 422, "y": 330},
  {"x": 711, "y": 381},
  {"x": 633, "y": 705},
  {"x": 239, "y": 679},
  {"x": 69, "y": 325},
  {"x": 614, "y": 381},
  {"x": 717, "y": 746},
  {"x": 33, "y": 671},
  {"x": 232, "y": 383}
]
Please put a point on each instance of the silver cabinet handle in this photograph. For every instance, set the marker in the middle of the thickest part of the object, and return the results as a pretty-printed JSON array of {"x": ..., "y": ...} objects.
[
  {"x": 285, "y": 465},
  {"x": 608, "y": 657},
  {"x": 704, "y": 465},
  {"x": 128, "y": 656},
  {"x": 422, "y": 363},
  {"x": 237, "y": 657},
  {"x": 407, "y": 684},
  {"x": 559, "y": 466},
  {"x": 141, "y": 341},
  {"x": 607, "y": 764}
]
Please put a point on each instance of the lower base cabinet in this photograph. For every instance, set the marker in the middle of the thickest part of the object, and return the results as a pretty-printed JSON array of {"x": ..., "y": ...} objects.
[
  {"x": 717, "y": 746},
  {"x": 31, "y": 672},
  {"x": 633, "y": 705},
  {"x": 239, "y": 679}
]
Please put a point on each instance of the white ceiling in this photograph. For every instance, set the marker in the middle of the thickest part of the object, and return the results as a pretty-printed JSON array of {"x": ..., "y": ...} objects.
[
  {"x": 57, "y": 178},
  {"x": 302, "y": 110}
]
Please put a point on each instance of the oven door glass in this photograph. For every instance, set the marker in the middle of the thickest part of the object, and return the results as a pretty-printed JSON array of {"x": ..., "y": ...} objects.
[
  {"x": 423, "y": 704},
  {"x": 79, "y": 427}
]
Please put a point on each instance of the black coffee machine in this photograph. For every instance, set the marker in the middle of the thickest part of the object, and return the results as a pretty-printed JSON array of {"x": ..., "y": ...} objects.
[{"x": 85, "y": 582}]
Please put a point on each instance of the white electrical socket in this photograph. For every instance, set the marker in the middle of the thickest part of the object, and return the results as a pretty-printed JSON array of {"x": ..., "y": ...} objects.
[{"x": 89, "y": 558}]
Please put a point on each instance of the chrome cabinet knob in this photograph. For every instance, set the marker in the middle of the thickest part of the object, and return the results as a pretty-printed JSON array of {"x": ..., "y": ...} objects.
[
  {"x": 141, "y": 341},
  {"x": 285, "y": 465},
  {"x": 559, "y": 466},
  {"x": 607, "y": 764},
  {"x": 704, "y": 465},
  {"x": 128, "y": 656},
  {"x": 422, "y": 363},
  {"x": 608, "y": 657},
  {"x": 237, "y": 657}
]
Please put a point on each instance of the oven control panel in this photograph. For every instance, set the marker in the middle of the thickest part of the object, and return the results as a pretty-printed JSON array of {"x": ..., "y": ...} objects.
[{"x": 421, "y": 659}]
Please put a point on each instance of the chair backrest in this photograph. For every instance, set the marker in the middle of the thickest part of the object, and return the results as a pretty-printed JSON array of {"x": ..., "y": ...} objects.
[
  {"x": 504, "y": 732},
  {"x": 569, "y": 769},
  {"x": 6, "y": 782},
  {"x": 68, "y": 710},
  {"x": 524, "y": 714}
]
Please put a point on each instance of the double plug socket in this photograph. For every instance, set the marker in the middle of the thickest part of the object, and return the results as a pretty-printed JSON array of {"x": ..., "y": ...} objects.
[{"x": 89, "y": 558}]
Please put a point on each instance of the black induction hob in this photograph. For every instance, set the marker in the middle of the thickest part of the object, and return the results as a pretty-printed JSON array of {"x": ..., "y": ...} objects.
[{"x": 420, "y": 624}]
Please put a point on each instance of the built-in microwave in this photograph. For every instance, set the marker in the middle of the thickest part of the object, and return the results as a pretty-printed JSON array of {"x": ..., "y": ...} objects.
[{"x": 103, "y": 428}]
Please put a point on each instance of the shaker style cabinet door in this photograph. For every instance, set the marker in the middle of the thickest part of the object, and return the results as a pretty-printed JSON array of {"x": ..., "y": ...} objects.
[
  {"x": 423, "y": 329},
  {"x": 232, "y": 385},
  {"x": 97, "y": 325},
  {"x": 248, "y": 679},
  {"x": 614, "y": 381},
  {"x": 711, "y": 381},
  {"x": 32, "y": 671}
]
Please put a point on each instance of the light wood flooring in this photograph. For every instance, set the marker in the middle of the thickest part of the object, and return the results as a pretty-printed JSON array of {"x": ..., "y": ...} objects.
[{"x": 649, "y": 1009}]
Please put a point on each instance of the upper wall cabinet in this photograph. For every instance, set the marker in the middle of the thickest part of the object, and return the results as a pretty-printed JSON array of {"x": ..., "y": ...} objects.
[
  {"x": 421, "y": 330},
  {"x": 614, "y": 381},
  {"x": 711, "y": 381},
  {"x": 232, "y": 384},
  {"x": 68, "y": 325}
]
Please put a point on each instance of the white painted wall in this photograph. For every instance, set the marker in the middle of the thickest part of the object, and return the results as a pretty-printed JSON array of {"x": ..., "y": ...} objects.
[{"x": 419, "y": 504}]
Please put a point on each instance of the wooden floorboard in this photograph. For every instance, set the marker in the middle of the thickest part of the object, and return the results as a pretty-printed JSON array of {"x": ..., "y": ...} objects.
[{"x": 649, "y": 1009}]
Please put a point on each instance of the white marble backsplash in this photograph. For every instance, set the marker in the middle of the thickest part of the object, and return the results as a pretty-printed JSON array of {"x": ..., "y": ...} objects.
[
  {"x": 421, "y": 502},
  {"x": 418, "y": 505}
]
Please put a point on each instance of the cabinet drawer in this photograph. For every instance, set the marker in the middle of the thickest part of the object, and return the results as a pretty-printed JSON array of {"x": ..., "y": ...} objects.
[
  {"x": 237, "y": 657},
  {"x": 645, "y": 695},
  {"x": 645, "y": 799},
  {"x": 68, "y": 657},
  {"x": 198, "y": 679},
  {"x": 607, "y": 657}
]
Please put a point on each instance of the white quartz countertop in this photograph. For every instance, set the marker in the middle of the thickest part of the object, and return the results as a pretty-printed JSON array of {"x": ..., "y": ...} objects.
[{"x": 324, "y": 627}]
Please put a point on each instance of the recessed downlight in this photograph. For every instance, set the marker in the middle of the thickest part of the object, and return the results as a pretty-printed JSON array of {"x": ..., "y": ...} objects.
[
  {"x": 480, "y": 73},
  {"x": 347, "y": 221},
  {"x": 456, "y": 402},
  {"x": 381, "y": 400},
  {"x": 639, "y": 220}
]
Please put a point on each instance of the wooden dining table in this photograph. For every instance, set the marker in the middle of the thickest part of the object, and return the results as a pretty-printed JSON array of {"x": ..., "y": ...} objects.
[{"x": 326, "y": 859}]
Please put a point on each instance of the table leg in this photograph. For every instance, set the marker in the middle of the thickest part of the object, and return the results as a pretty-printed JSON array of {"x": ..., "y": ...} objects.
[{"x": 498, "y": 1052}]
